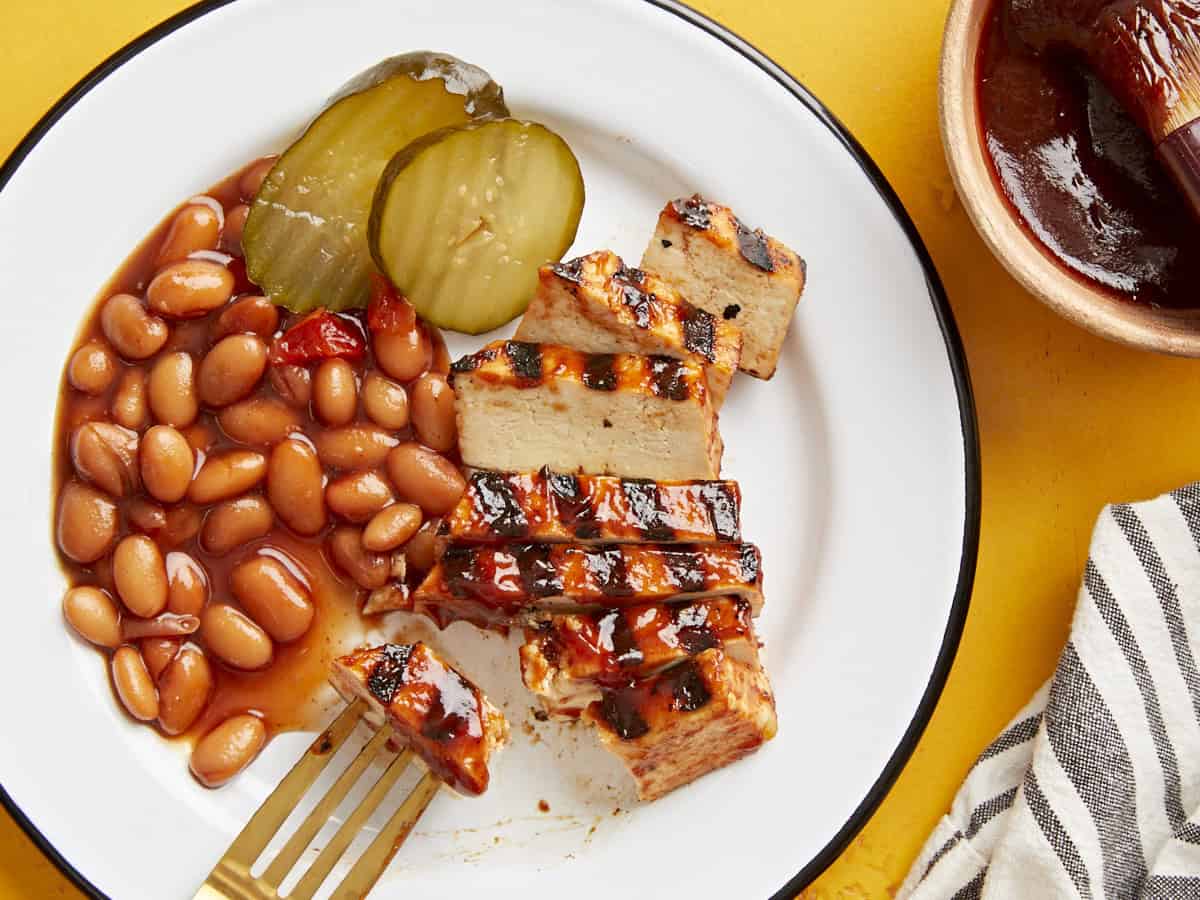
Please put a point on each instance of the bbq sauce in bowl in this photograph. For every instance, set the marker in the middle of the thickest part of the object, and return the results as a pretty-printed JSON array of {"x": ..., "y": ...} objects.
[{"x": 1080, "y": 175}]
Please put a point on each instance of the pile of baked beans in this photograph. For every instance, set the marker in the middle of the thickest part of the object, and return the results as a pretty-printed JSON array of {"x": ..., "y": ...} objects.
[{"x": 212, "y": 456}]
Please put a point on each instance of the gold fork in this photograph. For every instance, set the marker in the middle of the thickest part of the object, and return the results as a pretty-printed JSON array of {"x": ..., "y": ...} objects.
[{"x": 230, "y": 878}]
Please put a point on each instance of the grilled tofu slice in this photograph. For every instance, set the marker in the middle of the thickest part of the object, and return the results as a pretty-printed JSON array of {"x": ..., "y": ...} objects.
[
  {"x": 549, "y": 506},
  {"x": 522, "y": 406},
  {"x": 686, "y": 722},
  {"x": 566, "y": 659},
  {"x": 446, "y": 719},
  {"x": 746, "y": 277},
  {"x": 596, "y": 303},
  {"x": 500, "y": 586}
]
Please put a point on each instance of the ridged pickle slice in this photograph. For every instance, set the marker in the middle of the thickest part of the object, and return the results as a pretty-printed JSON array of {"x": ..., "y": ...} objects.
[
  {"x": 464, "y": 217},
  {"x": 306, "y": 237}
]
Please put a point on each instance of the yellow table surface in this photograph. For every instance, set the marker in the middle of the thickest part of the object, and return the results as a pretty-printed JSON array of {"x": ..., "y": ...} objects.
[{"x": 1068, "y": 422}]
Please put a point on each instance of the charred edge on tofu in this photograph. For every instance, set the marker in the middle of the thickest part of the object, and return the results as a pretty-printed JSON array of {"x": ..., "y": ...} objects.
[
  {"x": 693, "y": 211},
  {"x": 571, "y": 270},
  {"x": 473, "y": 361},
  {"x": 666, "y": 378},
  {"x": 526, "y": 360},
  {"x": 621, "y": 707},
  {"x": 599, "y": 372},
  {"x": 498, "y": 504},
  {"x": 699, "y": 331},
  {"x": 753, "y": 246},
  {"x": 390, "y": 672}
]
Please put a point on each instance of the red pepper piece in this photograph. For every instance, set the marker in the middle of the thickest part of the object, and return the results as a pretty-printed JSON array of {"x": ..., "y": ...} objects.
[
  {"x": 388, "y": 312},
  {"x": 319, "y": 335}
]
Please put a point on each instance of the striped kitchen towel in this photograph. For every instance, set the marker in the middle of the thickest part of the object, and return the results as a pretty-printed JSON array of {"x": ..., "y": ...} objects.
[{"x": 1093, "y": 790}]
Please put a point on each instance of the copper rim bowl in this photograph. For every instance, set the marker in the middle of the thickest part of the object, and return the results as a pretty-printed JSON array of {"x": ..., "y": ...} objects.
[{"x": 1081, "y": 302}]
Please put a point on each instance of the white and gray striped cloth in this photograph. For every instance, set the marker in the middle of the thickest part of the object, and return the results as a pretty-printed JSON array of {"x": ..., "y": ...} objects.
[{"x": 1093, "y": 790}]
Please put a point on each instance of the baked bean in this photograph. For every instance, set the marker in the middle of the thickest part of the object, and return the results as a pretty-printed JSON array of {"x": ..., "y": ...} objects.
[
  {"x": 234, "y": 523},
  {"x": 248, "y": 315},
  {"x": 92, "y": 368},
  {"x": 252, "y": 178},
  {"x": 157, "y": 653},
  {"x": 231, "y": 369},
  {"x": 183, "y": 523},
  {"x": 296, "y": 486},
  {"x": 129, "y": 407},
  {"x": 171, "y": 389},
  {"x": 183, "y": 690},
  {"x": 187, "y": 585},
  {"x": 227, "y": 475},
  {"x": 358, "y": 497},
  {"x": 368, "y": 569},
  {"x": 385, "y": 402},
  {"x": 426, "y": 478},
  {"x": 140, "y": 575},
  {"x": 195, "y": 227},
  {"x": 235, "y": 224},
  {"x": 92, "y": 613},
  {"x": 106, "y": 455},
  {"x": 145, "y": 516},
  {"x": 334, "y": 392},
  {"x": 403, "y": 354},
  {"x": 421, "y": 550},
  {"x": 228, "y": 749},
  {"x": 167, "y": 463},
  {"x": 189, "y": 289},
  {"x": 87, "y": 522},
  {"x": 354, "y": 446},
  {"x": 134, "y": 685},
  {"x": 292, "y": 383},
  {"x": 391, "y": 527},
  {"x": 258, "y": 421},
  {"x": 274, "y": 597},
  {"x": 234, "y": 639},
  {"x": 399, "y": 565},
  {"x": 131, "y": 329},
  {"x": 200, "y": 435},
  {"x": 433, "y": 412}
]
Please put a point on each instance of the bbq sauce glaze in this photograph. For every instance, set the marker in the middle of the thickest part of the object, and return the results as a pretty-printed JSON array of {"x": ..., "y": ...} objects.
[{"x": 1081, "y": 176}]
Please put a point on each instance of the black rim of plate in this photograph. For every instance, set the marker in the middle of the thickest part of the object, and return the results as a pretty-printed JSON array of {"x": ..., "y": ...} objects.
[{"x": 954, "y": 350}]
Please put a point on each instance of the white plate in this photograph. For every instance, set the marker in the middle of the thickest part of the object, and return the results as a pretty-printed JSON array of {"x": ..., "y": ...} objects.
[{"x": 858, "y": 462}]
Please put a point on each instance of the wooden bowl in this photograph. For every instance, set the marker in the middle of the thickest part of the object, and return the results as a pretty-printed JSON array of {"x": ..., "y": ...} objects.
[{"x": 1080, "y": 301}]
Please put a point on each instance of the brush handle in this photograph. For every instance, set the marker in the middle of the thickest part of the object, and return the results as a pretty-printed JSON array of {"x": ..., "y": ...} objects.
[{"x": 1179, "y": 151}]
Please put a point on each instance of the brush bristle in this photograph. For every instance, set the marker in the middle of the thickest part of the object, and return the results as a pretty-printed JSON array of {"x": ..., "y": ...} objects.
[{"x": 1186, "y": 104}]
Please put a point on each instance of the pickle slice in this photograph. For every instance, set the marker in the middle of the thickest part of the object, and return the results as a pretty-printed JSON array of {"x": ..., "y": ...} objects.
[
  {"x": 306, "y": 237},
  {"x": 464, "y": 217}
]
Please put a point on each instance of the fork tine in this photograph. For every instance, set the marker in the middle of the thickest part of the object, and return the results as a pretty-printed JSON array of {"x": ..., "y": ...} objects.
[
  {"x": 263, "y": 825},
  {"x": 391, "y": 837},
  {"x": 299, "y": 841},
  {"x": 324, "y": 863}
]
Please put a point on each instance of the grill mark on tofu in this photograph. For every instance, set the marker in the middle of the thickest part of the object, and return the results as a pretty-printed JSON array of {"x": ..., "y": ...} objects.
[
  {"x": 699, "y": 331},
  {"x": 686, "y": 571},
  {"x": 618, "y": 638},
  {"x": 599, "y": 372},
  {"x": 539, "y": 574},
  {"x": 571, "y": 270},
  {"x": 753, "y": 246},
  {"x": 498, "y": 505},
  {"x": 573, "y": 505},
  {"x": 640, "y": 302},
  {"x": 751, "y": 563},
  {"x": 666, "y": 378},
  {"x": 472, "y": 361},
  {"x": 606, "y": 566},
  {"x": 619, "y": 709},
  {"x": 646, "y": 509},
  {"x": 526, "y": 360},
  {"x": 390, "y": 672},
  {"x": 693, "y": 211},
  {"x": 722, "y": 505},
  {"x": 687, "y": 686},
  {"x": 458, "y": 570}
]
